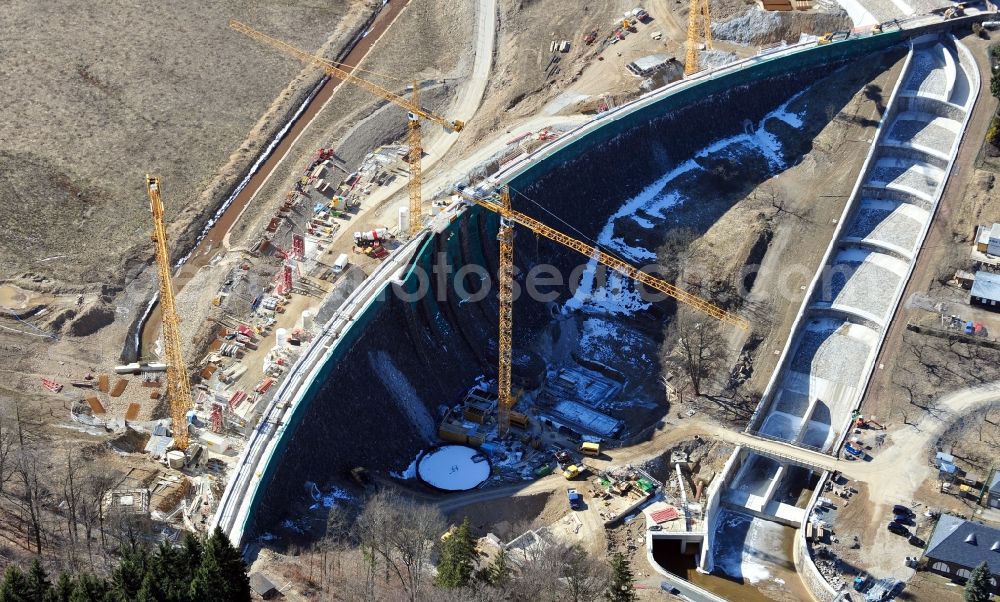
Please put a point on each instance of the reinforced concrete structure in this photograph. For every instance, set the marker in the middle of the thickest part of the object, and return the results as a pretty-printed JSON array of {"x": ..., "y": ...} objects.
[{"x": 830, "y": 355}]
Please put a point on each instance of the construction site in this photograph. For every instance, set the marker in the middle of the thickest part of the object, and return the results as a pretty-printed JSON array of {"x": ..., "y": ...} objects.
[{"x": 706, "y": 286}]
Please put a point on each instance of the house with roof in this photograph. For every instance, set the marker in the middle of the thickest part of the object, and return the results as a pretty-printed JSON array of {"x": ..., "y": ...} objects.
[
  {"x": 993, "y": 492},
  {"x": 985, "y": 290},
  {"x": 957, "y": 546}
]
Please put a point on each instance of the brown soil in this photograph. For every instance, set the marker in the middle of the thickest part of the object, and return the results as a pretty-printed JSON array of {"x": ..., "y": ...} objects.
[
  {"x": 794, "y": 236},
  {"x": 96, "y": 114},
  {"x": 509, "y": 518}
]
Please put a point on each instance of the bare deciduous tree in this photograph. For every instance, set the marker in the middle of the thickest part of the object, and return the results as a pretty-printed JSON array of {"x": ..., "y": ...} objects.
[
  {"x": 697, "y": 347},
  {"x": 402, "y": 545}
]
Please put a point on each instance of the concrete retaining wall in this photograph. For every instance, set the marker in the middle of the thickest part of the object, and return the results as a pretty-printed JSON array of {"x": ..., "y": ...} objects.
[
  {"x": 804, "y": 565},
  {"x": 713, "y": 500}
]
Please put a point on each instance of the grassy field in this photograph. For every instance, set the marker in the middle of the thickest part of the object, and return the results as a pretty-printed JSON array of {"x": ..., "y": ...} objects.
[{"x": 95, "y": 96}]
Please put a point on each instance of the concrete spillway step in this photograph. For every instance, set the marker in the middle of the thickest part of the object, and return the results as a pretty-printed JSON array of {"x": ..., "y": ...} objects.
[
  {"x": 833, "y": 349},
  {"x": 925, "y": 132},
  {"x": 863, "y": 283},
  {"x": 913, "y": 177},
  {"x": 892, "y": 225},
  {"x": 921, "y": 7},
  {"x": 961, "y": 94},
  {"x": 932, "y": 73}
]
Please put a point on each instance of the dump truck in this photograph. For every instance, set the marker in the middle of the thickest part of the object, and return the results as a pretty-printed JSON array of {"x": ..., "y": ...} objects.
[{"x": 575, "y": 499}]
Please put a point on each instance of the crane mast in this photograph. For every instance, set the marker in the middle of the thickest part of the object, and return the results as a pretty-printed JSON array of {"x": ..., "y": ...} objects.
[
  {"x": 416, "y": 152},
  {"x": 505, "y": 399},
  {"x": 415, "y": 112},
  {"x": 697, "y": 8},
  {"x": 500, "y": 203},
  {"x": 178, "y": 385}
]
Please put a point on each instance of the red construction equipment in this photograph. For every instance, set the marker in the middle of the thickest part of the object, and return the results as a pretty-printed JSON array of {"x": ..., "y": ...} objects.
[
  {"x": 298, "y": 246},
  {"x": 216, "y": 420},
  {"x": 870, "y": 423},
  {"x": 52, "y": 385},
  {"x": 237, "y": 398}
]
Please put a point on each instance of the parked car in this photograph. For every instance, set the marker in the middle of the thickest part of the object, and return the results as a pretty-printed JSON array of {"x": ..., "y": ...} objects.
[
  {"x": 656, "y": 527},
  {"x": 904, "y": 519},
  {"x": 898, "y": 529},
  {"x": 916, "y": 541},
  {"x": 901, "y": 509},
  {"x": 670, "y": 589}
]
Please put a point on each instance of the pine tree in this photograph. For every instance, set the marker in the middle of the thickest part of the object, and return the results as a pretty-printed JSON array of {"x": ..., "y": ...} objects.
[
  {"x": 207, "y": 584},
  {"x": 222, "y": 574},
  {"x": 39, "y": 588},
  {"x": 234, "y": 569},
  {"x": 977, "y": 588},
  {"x": 126, "y": 579},
  {"x": 191, "y": 553},
  {"x": 63, "y": 588},
  {"x": 169, "y": 578},
  {"x": 150, "y": 590},
  {"x": 14, "y": 586},
  {"x": 622, "y": 588},
  {"x": 90, "y": 588},
  {"x": 499, "y": 570},
  {"x": 457, "y": 558}
]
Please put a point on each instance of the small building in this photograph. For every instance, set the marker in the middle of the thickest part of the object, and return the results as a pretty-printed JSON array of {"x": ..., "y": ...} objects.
[
  {"x": 656, "y": 63},
  {"x": 965, "y": 279},
  {"x": 988, "y": 239},
  {"x": 262, "y": 586},
  {"x": 985, "y": 290},
  {"x": 986, "y": 246},
  {"x": 957, "y": 546},
  {"x": 993, "y": 493}
]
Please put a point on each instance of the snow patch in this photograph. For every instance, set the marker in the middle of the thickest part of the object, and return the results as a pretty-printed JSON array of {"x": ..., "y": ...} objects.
[
  {"x": 643, "y": 222},
  {"x": 326, "y": 500},
  {"x": 658, "y": 199},
  {"x": 454, "y": 468},
  {"x": 292, "y": 526},
  {"x": 411, "y": 470}
]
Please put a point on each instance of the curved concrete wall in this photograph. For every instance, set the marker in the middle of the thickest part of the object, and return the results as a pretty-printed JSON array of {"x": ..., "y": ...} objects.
[{"x": 382, "y": 377}]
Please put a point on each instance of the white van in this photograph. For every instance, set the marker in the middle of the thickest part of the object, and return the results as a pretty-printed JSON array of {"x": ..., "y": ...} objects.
[{"x": 341, "y": 264}]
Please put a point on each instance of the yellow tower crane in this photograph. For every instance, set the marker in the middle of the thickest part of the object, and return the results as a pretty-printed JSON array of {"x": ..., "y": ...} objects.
[
  {"x": 505, "y": 275},
  {"x": 178, "y": 385},
  {"x": 697, "y": 8},
  {"x": 416, "y": 113},
  {"x": 500, "y": 203}
]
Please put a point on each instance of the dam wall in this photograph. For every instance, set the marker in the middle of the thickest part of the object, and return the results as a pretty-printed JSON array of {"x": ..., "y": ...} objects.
[{"x": 418, "y": 345}]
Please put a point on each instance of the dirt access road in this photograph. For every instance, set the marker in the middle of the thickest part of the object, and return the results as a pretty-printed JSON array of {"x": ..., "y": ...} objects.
[
  {"x": 896, "y": 473},
  {"x": 463, "y": 108}
]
